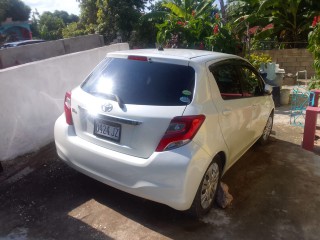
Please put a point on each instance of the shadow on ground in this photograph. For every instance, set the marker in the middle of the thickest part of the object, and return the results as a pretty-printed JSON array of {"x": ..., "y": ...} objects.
[{"x": 275, "y": 190}]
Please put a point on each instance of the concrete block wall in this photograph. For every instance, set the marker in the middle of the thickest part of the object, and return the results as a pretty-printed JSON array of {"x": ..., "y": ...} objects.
[
  {"x": 82, "y": 43},
  {"x": 10, "y": 57},
  {"x": 292, "y": 60},
  {"x": 32, "y": 97}
]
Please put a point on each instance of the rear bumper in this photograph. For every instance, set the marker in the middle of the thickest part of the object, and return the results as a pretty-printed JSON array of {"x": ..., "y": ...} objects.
[{"x": 170, "y": 177}]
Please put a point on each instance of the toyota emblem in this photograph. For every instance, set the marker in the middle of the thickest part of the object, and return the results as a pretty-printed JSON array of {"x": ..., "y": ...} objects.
[{"x": 107, "y": 107}]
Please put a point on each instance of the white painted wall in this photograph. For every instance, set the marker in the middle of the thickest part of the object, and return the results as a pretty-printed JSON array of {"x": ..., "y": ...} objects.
[{"x": 32, "y": 95}]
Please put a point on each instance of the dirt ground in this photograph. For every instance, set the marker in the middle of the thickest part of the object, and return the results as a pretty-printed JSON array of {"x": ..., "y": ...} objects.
[{"x": 275, "y": 189}]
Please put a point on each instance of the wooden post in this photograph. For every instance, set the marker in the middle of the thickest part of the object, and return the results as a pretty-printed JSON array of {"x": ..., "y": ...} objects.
[{"x": 310, "y": 128}]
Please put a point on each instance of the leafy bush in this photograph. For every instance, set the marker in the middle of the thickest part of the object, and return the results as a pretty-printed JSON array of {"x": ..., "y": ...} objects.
[
  {"x": 314, "y": 83},
  {"x": 192, "y": 24},
  {"x": 257, "y": 59},
  {"x": 222, "y": 38},
  {"x": 314, "y": 48}
]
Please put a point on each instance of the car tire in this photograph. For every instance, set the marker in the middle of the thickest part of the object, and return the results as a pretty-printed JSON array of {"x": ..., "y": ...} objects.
[
  {"x": 207, "y": 190},
  {"x": 266, "y": 131}
]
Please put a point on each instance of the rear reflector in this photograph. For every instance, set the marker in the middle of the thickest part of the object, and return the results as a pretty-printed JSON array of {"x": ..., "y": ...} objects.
[
  {"x": 67, "y": 108},
  {"x": 138, "y": 58},
  {"x": 181, "y": 130}
]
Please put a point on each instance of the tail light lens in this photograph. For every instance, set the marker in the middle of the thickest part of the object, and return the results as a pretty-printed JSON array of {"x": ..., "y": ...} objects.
[
  {"x": 67, "y": 108},
  {"x": 181, "y": 130}
]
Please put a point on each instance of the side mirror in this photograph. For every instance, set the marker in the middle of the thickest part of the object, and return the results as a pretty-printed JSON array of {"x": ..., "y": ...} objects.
[{"x": 268, "y": 89}]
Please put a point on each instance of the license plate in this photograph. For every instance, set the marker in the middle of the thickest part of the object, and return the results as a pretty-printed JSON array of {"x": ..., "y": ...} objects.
[{"x": 107, "y": 130}]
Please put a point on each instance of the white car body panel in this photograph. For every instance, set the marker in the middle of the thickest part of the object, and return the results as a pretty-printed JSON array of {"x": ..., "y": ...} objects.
[
  {"x": 170, "y": 177},
  {"x": 260, "y": 113}
]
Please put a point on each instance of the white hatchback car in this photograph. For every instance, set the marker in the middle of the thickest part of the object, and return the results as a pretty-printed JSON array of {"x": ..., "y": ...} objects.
[{"x": 165, "y": 124}]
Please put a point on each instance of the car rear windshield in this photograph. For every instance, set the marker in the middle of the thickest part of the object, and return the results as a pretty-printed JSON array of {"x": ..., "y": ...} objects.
[{"x": 142, "y": 82}]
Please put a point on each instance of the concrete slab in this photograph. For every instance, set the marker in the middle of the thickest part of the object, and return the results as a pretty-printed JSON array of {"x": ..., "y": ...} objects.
[{"x": 275, "y": 189}]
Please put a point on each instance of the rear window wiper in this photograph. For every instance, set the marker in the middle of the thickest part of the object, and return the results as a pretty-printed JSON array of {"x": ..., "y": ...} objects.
[{"x": 110, "y": 96}]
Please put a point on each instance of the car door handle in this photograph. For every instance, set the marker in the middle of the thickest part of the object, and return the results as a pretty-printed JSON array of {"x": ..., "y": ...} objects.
[{"x": 226, "y": 112}]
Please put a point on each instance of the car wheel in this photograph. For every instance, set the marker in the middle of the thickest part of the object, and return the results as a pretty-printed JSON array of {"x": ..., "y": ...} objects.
[
  {"x": 207, "y": 189},
  {"x": 266, "y": 131}
]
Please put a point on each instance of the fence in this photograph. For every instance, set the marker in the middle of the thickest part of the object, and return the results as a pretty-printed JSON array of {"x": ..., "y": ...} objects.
[{"x": 271, "y": 45}]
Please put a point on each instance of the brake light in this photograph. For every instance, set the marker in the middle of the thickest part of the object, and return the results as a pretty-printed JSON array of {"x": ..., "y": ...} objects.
[
  {"x": 138, "y": 58},
  {"x": 67, "y": 108},
  {"x": 181, "y": 131}
]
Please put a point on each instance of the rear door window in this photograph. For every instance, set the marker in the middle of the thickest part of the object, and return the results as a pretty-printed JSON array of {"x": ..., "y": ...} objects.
[
  {"x": 228, "y": 81},
  {"x": 252, "y": 84},
  {"x": 142, "y": 82}
]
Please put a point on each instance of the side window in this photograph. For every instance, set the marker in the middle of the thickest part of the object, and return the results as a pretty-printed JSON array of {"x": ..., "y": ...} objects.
[
  {"x": 228, "y": 81},
  {"x": 252, "y": 85}
]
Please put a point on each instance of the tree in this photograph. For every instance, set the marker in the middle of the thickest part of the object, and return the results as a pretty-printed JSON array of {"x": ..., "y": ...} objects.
[
  {"x": 239, "y": 8},
  {"x": 15, "y": 9},
  {"x": 145, "y": 31},
  {"x": 244, "y": 13},
  {"x": 194, "y": 24},
  {"x": 35, "y": 24},
  {"x": 184, "y": 23},
  {"x": 291, "y": 18},
  {"x": 50, "y": 26},
  {"x": 223, "y": 38},
  {"x": 223, "y": 10},
  {"x": 111, "y": 17},
  {"x": 89, "y": 10},
  {"x": 66, "y": 17},
  {"x": 73, "y": 29}
]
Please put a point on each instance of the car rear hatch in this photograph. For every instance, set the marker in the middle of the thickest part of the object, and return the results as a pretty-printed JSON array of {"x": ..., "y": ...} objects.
[{"x": 126, "y": 104}]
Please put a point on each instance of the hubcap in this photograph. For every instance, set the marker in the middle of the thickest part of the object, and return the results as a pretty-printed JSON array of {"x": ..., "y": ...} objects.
[
  {"x": 267, "y": 129},
  {"x": 209, "y": 185}
]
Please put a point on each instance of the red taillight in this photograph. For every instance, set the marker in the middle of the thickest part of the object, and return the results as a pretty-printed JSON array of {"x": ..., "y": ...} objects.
[
  {"x": 67, "y": 108},
  {"x": 181, "y": 130},
  {"x": 138, "y": 58}
]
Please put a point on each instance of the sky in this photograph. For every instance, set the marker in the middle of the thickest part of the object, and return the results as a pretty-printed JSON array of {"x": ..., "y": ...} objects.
[{"x": 70, "y": 6}]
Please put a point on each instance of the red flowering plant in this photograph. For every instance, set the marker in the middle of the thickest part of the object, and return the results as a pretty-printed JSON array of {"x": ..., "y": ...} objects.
[
  {"x": 189, "y": 21},
  {"x": 191, "y": 31},
  {"x": 316, "y": 20},
  {"x": 196, "y": 24},
  {"x": 222, "y": 39},
  {"x": 207, "y": 32},
  {"x": 216, "y": 29}
]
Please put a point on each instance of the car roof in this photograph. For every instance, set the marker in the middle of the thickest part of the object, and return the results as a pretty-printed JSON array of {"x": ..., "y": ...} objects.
[{"x": 171, "y": 53}]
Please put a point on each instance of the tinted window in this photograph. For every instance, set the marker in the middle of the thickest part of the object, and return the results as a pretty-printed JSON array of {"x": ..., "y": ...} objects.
[
  {"x": 251, "y": 82},
  {"x": 228, "y": 81},
  {"x": 142, "y": 82}
]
